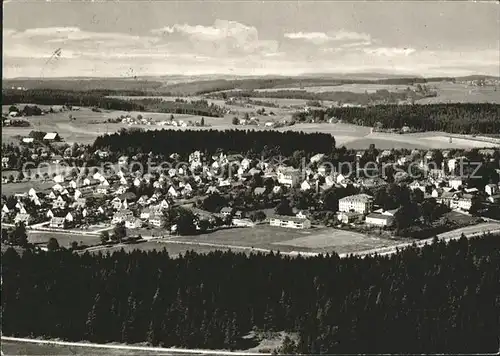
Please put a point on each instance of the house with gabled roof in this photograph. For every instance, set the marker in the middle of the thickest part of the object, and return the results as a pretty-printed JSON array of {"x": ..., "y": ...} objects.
[
  {"x": 58, "y": 222},
  {"x": 59, "y": 203},
  {"x": 23, "y": 218},
  {"x": 227, "y": 210},
  {"x": 172, "y": 192}
]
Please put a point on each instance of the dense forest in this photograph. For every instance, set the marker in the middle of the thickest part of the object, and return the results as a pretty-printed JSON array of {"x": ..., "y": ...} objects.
[
  {"x": 70, "y": 98},
  {"x": 452, "y": 118},
  {"x": 443, "y": 298},
  {"x": 211, "y": 141}
]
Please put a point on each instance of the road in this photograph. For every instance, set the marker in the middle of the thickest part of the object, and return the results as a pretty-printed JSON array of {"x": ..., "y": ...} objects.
[{"x": 172, "y": 350}]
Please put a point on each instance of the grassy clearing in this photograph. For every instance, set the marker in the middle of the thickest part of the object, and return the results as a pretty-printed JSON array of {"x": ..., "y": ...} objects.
[
  {"x": 482, "y": 227},
  {"x": 24, "y": 187},
  {"x": 64, "y": 238},
  {"x": 340, "y": 241}
]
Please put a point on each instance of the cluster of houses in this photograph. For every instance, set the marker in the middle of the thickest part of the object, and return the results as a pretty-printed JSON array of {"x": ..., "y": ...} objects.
[{"x": 66, "y": 203}]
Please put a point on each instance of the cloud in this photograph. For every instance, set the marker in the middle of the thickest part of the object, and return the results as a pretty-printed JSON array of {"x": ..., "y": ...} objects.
[
  {"x": 389, "y": 52},
  {"x": 319, "y": 37},
  {"x": 223, "y": 37},
  {"x": 322, "y": 37}
]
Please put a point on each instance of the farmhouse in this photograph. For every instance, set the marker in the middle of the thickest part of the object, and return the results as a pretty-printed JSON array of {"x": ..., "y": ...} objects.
[
  {"x": 290, "y": 222},
  {"x": 360, "y": 203}
]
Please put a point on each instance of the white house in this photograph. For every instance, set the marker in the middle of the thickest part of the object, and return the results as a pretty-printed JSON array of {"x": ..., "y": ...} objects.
[
  {"x": 172, "y": 192},
  {"x": 58, "y": 179},
  {"x": 491, "y": 189},
  {"x": 305, "y": 186},
  {"x": 455, "y": 183},
  {"x": 133, "y": 223}
]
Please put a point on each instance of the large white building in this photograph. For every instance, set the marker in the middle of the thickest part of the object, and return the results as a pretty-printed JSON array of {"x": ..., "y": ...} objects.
[
  {"x": 359, "y": 203},
  {"x": 288, "y": 176}
]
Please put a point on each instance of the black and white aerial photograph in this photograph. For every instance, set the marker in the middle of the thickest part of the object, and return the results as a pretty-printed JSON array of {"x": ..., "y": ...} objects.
[{"x": 244, "y": 178}]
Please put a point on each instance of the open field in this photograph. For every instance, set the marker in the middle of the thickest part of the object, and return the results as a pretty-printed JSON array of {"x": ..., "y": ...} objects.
[
  {"x": 340, "y": 241},
  {"x": 288, "y": 240},
  {"x": 447, "y": 92},
  {"x": 474, "y": 229},
  {"x": 89, "y": 125},
  {"x": 64, "y": 238},
  {"x": 461, "y": 93}
]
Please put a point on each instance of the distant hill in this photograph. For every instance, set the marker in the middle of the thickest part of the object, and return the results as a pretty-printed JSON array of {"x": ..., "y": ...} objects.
[{"x": 202, "y": 84}]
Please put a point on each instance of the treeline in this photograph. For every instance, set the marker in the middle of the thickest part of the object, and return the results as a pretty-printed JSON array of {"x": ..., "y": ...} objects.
[
  {"x": 338, "y": 96},
  {"x": 211, "y": 141},
  {"x": 85, "y": 84},
  {"x": 180, "y": 106},
  {"x": 69, "y": 98},
  {"x": 443, "y": 298},
  {"x": 101, "y": 99},
  {"x": 452, "y": 118},
  {"x": 210, "y": 86}
]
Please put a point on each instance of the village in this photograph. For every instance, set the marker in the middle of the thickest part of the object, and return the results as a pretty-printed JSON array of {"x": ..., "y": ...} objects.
[{"x": 225, "y": 191}]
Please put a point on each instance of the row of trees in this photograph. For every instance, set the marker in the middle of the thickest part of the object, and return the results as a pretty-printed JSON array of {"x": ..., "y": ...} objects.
[
  {"x": 441, "y": 298},
  {"x": 168, "y": 141}
]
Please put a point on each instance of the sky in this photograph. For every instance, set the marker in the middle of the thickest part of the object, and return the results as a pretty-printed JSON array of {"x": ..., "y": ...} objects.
[{"x": 141, "y": 37}]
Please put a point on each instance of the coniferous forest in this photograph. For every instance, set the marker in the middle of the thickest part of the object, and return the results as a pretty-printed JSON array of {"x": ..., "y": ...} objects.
[
  {"x": 167, "y": 141},
  {"x": 441, "y": 298}
]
